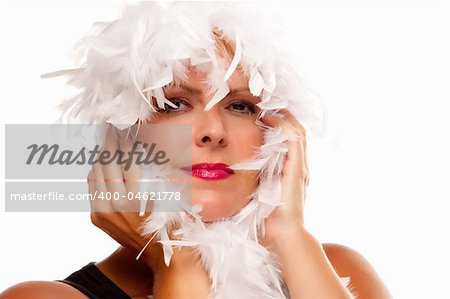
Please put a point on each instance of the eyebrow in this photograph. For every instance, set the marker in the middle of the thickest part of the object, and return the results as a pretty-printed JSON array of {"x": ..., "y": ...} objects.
[{"x": 199, "y": 91}]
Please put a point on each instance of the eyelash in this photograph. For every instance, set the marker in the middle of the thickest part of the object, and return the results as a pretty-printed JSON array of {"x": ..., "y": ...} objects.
[
  {"x": 169, "y": 109},
  {"x": 250, "y": 106}
]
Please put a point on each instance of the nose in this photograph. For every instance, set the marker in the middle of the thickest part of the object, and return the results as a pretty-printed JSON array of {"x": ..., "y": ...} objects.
[{"x": 209, "y": 129}]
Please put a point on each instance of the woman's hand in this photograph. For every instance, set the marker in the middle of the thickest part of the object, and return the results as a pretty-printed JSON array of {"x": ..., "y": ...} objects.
[
  {"x": 304, "y": 265},
  {"x": 288, "y": 218},
  {"x": 120, "y": 218}
]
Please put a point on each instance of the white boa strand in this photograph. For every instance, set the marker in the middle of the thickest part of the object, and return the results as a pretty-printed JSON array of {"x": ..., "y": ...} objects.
[
  {"x": 126, "y": 62},
  {"x": 125, "y": 65}
]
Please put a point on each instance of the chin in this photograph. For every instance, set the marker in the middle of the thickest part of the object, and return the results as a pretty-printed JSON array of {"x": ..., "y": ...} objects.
[{"x": 217, "y": 209}]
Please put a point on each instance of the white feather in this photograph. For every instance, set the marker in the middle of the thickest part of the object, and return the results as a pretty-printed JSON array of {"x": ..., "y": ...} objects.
[
  {"x": 165, "y": 79},
  {"x": 61, "y": 73},
  {"x": 219, "y": 95},
  {"x": 273, "y": 104},
  {"x": 256, "y": 83},
  {"x": 249, "y": 165},
  {"x": 236, "y": 58}
]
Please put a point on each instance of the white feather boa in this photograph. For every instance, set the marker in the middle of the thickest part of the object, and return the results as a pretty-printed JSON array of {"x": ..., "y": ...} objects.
[{"x": 126, "y": 64}]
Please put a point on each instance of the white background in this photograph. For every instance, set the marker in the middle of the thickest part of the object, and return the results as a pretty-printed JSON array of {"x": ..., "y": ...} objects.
[{"x": 379, "y": 183}]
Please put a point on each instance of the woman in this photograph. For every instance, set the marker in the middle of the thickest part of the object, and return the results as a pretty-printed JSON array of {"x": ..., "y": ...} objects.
[{"x": 202, "y": 65}]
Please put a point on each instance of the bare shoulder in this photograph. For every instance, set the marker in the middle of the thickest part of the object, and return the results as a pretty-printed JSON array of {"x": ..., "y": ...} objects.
[
  {"x": 364, "y": 281},
  {"x": 41, "y": 289}
]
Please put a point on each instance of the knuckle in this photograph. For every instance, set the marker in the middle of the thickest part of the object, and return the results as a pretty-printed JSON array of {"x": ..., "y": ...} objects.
[
  {"x": 121, "y": 205},
  {"x": 95, "y": 219},
  {"x": 99, "y": 219}
]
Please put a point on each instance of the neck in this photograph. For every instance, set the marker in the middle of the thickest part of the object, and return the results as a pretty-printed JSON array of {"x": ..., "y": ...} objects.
[{"x": 133, "y": 276}]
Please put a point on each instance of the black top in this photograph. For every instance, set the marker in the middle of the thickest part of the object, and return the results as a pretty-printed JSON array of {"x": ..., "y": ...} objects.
[{"x": 93, "y": 283}]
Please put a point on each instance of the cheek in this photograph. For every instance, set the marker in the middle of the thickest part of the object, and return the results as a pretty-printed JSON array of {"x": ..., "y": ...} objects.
[
  {"x": 249, "y": 141},
  {"x": 255, "y": 141}
]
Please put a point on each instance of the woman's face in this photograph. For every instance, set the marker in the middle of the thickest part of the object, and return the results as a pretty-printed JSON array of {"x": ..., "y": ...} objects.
[{"x": 225, "y": 134}]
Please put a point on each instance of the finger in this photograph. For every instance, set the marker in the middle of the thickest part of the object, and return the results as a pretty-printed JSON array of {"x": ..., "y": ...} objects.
[
  {"x": 294, "y": 121},
  {"x": 98, "y": 191},
  {"x": 112, "y": 171},
  {"x": 294, "y": 168},
  {"x": 293, "y": 127},
  {"x": 91, "y": 187},
  {"x": 295, "y": 153},
  {"x": 289, "y": 117},
  {"x": 131, "y": 171}
]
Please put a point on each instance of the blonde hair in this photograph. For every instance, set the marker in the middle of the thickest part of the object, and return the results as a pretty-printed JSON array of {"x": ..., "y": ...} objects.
[
  {"x": 225, "y": 48},
  {"x": 223, "y": 43}
]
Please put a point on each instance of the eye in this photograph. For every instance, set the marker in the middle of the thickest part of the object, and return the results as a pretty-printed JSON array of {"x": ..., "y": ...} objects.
[
  {"x": 181, "y": 106},
  {"x": 243, "y": 107}
]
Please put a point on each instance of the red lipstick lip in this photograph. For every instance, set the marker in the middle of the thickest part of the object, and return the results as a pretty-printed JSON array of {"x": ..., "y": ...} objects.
[{"x": 210, "y": 171}]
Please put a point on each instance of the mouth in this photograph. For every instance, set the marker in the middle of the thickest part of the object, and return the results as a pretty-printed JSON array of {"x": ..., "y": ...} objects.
[{"x": 210, "y": 171}]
